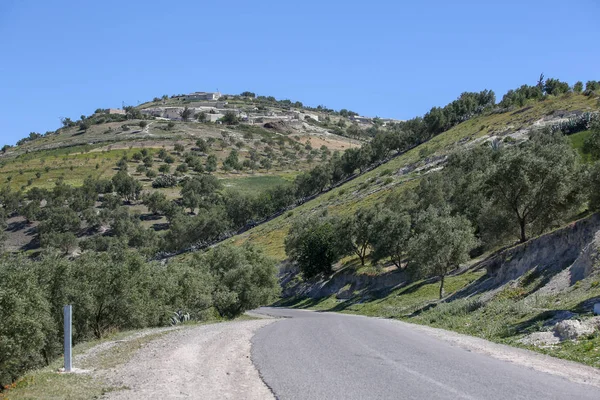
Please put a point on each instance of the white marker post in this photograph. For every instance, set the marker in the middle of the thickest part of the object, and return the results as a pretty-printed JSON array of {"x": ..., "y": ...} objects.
[{"x": 68, "y": 311}]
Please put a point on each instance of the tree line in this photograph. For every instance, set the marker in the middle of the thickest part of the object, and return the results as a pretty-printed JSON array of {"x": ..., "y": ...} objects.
[
  {"x": 118, "y": 290},
  {"x": 485, "y": 197}
]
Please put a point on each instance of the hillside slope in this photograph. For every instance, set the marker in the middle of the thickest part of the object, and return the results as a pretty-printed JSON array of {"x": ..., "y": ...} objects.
[{"x": 403, "y": 173}]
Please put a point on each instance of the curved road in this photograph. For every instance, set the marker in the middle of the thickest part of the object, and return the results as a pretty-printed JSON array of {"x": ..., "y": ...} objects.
[{"x": 313, "y": 355}]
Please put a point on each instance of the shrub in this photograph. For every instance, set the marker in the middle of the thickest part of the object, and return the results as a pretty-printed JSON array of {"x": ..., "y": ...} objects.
[
  {"x": 164, "y": 181},
  {"x": 244, "y": 278},
  {"x": 27, "y": 323},
  {"x": 183, "y": 168}
]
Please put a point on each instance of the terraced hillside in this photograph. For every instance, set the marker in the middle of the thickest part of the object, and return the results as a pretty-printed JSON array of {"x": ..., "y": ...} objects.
[{"x": 265, "y": 155}]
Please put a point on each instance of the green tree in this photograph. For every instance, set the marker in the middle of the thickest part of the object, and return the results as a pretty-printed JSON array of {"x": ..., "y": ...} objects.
[
  {"x": 201, "y": 117},
  {"x": 314, "y": 243},
  {"x": 200, "y": 191},
  {"x": 536, "y": 183},
  {"x": 266, "y": 163},
  {"x": 156, "y": 202},
  {"x": 59, "y": 219},
  {"x": 164, "y": 168},
  {"x": 591, "y": 145},
  {"x": 126, "y": 186},
  {"x": 359, "y": 230},
  {"x": 244, "y": 278},
  {"x": 27, "y": 328},
  {"x": 578, "y": 87},
  {"x": 186, "y": 114},
  {"x": 232, "y": 161},
  {"x": 390, "y": 235},
  {"x": 64, "y": 241},
  {"x": 148, "y": 161},
  {"x": 441, "y": 243},
  {"x": 183, "y": 168},
  {"x": 230, "y": 118},
  {"x": 211, "y": 163},
  {"x": 202, "y": 146}
]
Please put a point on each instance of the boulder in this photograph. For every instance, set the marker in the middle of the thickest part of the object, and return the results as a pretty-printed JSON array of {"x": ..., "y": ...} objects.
[{"x": 572, "y": 329}]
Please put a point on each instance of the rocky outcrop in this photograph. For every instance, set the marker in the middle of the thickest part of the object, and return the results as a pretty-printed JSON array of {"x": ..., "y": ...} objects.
[
  {"x": 344, "y": 284},
  {"x": 568, "y": 329},
  {"x": 581, "y": 268},
  {"x": 556, "y": 250}
]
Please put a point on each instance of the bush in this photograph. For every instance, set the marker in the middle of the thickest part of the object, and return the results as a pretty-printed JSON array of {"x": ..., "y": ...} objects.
[
  {"x": 164, "y": 169},
  {"x": 164, "y": 181},
  {"x": 315, "y": 244},
  {"x": 244, "y": 278},
  {"x": 183, "y": 168}
]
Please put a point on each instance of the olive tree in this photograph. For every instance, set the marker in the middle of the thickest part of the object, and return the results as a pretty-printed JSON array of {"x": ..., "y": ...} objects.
[
  {"x": 315, "y": 244},
  {"x": 391, "y": 232},
  {"x": 244, "y": 278},
  {"x": 441, "y": 242},
  {"x": 536, "y": 183}
]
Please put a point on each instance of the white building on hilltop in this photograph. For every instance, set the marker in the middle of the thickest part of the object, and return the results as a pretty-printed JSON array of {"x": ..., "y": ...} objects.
[{"x": 211, "y": 96}]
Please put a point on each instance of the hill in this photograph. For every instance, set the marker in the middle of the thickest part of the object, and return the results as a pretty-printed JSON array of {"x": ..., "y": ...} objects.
[
  {"x": 326, "y": 194},
  {"x": 269, "y": 154}
]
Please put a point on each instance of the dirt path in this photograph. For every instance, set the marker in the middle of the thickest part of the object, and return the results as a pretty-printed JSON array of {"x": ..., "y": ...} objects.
[{"x": 204, "y": 362}]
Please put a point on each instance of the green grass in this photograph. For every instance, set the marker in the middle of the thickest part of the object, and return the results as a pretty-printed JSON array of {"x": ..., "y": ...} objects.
[
  {"x": 396, "y": 304},
  {"x": 254, "y": 184},
  {"x": 577, "y": 141}
]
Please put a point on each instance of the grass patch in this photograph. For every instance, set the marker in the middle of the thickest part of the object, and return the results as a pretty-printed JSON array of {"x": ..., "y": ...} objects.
[
  {"x": 577, "y": 141},
  {"x": 254, "y": 184}
]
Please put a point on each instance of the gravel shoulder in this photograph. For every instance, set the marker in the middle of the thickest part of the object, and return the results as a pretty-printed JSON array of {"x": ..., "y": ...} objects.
[{"x": 201, "y": 362}]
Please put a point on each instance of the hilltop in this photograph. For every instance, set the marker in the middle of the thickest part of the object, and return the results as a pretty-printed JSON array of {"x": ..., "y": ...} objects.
[{"x": 270, "y": 142}]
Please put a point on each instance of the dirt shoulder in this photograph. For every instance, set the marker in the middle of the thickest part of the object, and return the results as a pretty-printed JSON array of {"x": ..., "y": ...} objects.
[
  {"x": 203, "y": 362},
  {"x": 210, "y": 361}
]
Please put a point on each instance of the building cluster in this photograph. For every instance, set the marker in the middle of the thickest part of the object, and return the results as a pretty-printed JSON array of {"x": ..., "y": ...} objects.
[{"x": 214, "y": 109}]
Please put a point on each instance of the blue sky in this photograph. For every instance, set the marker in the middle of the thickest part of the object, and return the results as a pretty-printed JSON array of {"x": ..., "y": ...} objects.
[{"x": 392, "y": 59}]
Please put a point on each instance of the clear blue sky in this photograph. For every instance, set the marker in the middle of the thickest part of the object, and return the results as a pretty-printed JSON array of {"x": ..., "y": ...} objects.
[{"x": 380, "y": 58}]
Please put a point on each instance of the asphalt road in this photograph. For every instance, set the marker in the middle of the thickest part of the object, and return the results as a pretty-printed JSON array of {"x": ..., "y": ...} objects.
[{"x": 312, "y": 355}]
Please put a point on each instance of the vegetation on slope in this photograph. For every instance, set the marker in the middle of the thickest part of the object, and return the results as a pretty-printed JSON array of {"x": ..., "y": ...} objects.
[{"x": 146, "y": 196}]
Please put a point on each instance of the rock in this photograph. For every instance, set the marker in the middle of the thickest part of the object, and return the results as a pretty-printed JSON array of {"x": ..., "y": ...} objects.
[
  {"x": 573, "y": 329},
  {"x": 540, "y": 339},
  {"x": 559, "y": 316},
  {"x": 593, "y": 322},
  {"x": 345, "y": 294}
]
